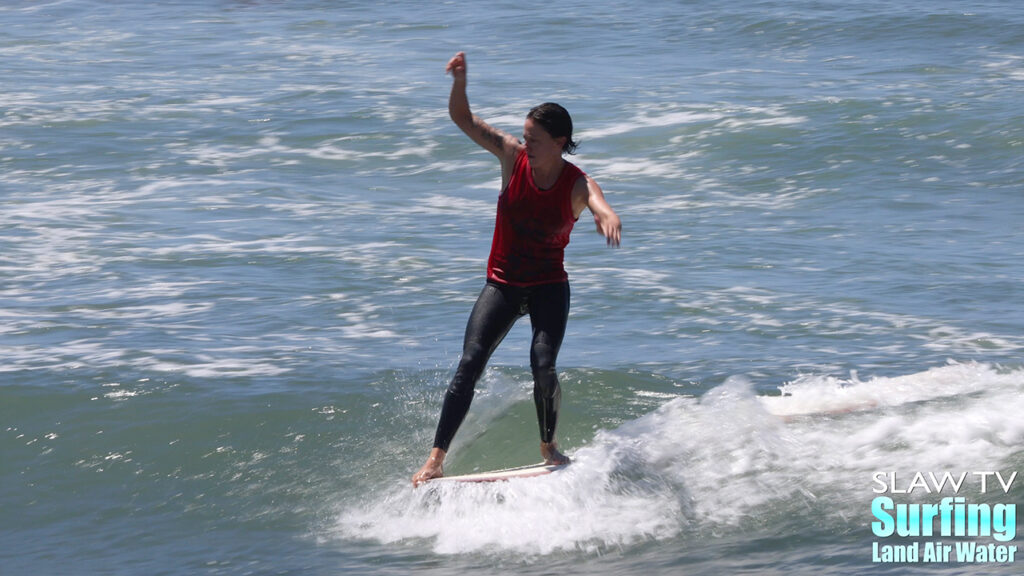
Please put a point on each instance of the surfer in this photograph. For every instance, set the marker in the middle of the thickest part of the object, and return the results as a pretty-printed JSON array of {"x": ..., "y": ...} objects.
[{"x": 542, "y": 197}]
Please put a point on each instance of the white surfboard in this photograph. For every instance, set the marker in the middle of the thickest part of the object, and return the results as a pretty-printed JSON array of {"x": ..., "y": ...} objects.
[{"x": 506, "y": 474}]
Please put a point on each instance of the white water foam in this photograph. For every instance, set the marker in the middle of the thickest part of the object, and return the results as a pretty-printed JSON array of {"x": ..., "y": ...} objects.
[{"x": 719, "y": 463}]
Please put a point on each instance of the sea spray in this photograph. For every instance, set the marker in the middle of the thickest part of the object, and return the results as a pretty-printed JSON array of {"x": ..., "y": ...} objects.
[{"x": 720, "y": 464}]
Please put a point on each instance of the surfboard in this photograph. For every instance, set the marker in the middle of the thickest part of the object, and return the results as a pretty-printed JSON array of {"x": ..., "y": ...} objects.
[
  {"x": 785, "y": 408},
  {"x": 506, "y": 474}
]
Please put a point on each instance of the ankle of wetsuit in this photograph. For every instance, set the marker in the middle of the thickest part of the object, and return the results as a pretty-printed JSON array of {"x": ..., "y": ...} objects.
[
  {"x": 453, "y": 412},
  {"x": 547, "y": 410}
]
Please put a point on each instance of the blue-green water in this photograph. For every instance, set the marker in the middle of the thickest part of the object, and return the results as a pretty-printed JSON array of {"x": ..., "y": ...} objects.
[{"x": 239, "y": 242}]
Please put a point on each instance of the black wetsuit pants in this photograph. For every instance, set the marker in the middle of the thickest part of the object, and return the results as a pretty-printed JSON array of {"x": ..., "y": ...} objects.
[{"x": 496, "y": 310}]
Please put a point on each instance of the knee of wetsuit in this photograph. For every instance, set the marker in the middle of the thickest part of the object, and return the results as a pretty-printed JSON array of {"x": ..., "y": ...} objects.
[
  {"x": 474, "y": 357},
  {"x": 471, "y": 366},
  {"x": 542, "y": 359}
]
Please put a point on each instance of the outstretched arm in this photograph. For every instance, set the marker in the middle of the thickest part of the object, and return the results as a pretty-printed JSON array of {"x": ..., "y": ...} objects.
[
  {"x": 587, "y": 194},
  {"x": 501, "y": 144}
]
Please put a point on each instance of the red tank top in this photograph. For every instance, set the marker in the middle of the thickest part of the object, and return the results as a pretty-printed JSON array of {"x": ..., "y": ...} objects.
[{"x": 532, "y": 227}]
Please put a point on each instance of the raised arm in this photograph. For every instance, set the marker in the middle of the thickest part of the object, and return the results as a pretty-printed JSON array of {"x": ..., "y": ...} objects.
[
  {"x": 501, "y": 144},
  {"x": 587, "y": 194}
]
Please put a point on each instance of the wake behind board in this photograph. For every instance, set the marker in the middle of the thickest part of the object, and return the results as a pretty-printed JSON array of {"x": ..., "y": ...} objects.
[{"x": 506, "y": 474}]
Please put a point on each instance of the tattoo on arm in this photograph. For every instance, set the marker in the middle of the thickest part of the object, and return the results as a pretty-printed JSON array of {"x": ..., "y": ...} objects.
[
  {"x": 495, "y": 139},
  {"x": 490, "y": 135}
]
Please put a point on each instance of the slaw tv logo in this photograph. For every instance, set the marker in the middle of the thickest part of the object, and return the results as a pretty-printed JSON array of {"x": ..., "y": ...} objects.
[{"x": 946, "y": 527}]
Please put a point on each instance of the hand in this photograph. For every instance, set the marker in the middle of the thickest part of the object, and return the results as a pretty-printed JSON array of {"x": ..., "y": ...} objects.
[
  {"x": 457, "y": 66},
  {"x": 610, "y": 227}
]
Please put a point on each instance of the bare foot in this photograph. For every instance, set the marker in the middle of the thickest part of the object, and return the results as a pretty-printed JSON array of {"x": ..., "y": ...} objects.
[
  {"x": 549, "y": 450},
  {"x": 432, "y": 469}
]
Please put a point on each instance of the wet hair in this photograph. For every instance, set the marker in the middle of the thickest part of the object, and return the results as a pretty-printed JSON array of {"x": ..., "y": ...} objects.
[{"x": 556, "y": 122}]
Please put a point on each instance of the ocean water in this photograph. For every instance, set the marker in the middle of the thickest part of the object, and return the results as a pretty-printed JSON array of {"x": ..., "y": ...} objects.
[{"x": 239, "y": 242}]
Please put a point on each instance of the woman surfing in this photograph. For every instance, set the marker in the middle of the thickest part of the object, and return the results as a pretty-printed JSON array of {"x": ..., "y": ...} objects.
[{"x": 542, "y": 197}]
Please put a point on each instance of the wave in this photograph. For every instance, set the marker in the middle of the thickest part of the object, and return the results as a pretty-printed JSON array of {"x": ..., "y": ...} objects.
[{"x": 730, "y": 460}]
